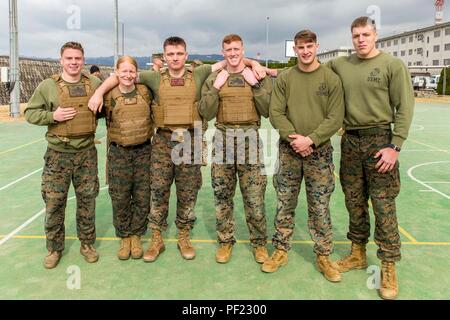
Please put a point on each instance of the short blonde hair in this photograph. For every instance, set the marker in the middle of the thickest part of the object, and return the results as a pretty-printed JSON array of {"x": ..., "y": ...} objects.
[{"x": 129, "y": 59}]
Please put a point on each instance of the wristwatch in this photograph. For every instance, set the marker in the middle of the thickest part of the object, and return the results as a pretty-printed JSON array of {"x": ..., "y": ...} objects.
[
  {"x": 395, "y": 147},
  {"x": 256, "y": 86}
]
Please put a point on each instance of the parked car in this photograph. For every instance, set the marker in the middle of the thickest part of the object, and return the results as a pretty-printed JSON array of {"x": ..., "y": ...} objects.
[{"x": 432, "y": 84}]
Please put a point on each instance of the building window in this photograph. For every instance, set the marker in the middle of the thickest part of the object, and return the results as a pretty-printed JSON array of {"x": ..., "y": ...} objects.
[
  {"x": 419, "y": 50},
  {"x": 437, "y": 33},
  {"x": 420, "y": 37},
  {"x": 395, "y": 53},
  {"x": 418, "y": 63},
  {"x": 402, "y": 53},
  {"x": 447, "y": 47},
  {"x": 404, "y": 40},
  {"x": 382, "y": 44},
  {"x": 447, "y": 62},
  {"x": 410, "y": 52},
  {"x": 447, "y": 31},
  {"x": 388, "y": 43},
  {"x": 409, "y": 63},
  {"x": 428, "y": 39},
  {"x": 395, "y": 42},
  {"x": 411, "y": 38},
  {"x": 436, "y": 48},
  {"x": 435, "y": 62}
]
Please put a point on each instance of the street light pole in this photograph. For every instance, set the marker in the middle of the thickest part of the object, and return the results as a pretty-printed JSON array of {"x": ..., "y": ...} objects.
[
  {"x": 123, "y": 38},
  {"x": 14, "y": 80},
  {"x": 116, "y": 32},
  {"x": 267, "y": 41}
]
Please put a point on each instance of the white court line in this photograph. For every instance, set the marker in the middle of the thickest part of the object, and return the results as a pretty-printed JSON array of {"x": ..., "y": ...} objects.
[
  {"x": 22, "y": 146},
  {"x": 20, "y": 179},
  {"x": 26, "y": 223},
  {"x": 437, "y": 182},
  {"x": 423, "y": 183},
  {"x": 26, "y": 176}
]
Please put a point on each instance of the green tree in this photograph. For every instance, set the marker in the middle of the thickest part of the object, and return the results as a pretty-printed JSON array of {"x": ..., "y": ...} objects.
[{"x": 441, "y": 82}]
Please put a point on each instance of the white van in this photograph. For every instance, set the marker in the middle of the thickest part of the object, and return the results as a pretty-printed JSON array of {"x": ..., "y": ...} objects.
[{"x": 432, "y": 84}]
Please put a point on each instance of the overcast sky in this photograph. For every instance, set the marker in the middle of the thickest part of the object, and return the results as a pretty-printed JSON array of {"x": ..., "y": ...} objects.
[{"x": 45, "y": 25}]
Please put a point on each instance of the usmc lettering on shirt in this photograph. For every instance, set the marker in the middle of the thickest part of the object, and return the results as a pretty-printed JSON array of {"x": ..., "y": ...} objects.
[
  {"x": 322, "y": 90},
  {"x": 374, "y": 76}
]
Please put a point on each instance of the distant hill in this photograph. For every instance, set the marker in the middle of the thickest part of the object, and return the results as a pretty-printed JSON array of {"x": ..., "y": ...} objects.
[{"x": 142, "y": 61}]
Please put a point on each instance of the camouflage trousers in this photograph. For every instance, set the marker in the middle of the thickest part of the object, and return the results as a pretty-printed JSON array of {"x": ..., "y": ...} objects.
[
  {"x": 359, "y": 180},
  {"x": 187, "y": 176},
  {"x": 129, "y": 188},
  {"x": 62, "y": 168},
  {"x": 252, "y": 182},
  {"x": 318, "y": 171}
]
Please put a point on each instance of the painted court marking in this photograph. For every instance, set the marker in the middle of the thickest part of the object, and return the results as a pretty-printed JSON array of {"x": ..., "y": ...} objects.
[
  {"x": 210, "y": 241},
  {"x": 26, "y": 223},
  {"x": 21, "y": 146},
  {"x": 426, "y": 185},
  {"x": 20, "y": 179}
]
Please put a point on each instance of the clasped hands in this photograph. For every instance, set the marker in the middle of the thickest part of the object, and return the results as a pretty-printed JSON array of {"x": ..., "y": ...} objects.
[{"x": 301, "y": 144}]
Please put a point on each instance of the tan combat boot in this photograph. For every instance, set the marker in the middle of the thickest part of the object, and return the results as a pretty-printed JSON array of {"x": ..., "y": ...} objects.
[
  {"x": 389, "y": 285},
  {"x": 89, "y": 253},
  {"x": 124, "y": 250},
  {"x": 223, "y": 254},
  {"x": 184, "y": 245},
  {"x": 328, "y": 268},
  {"x": 260, "y": 254},
  {"x": 155, "y": 248},
  {"x": 136, "y": 247},
  {"x": 52, "y": 259},
  {"x": 357, "y": 259},
  {"x": 278, "y": 259}
]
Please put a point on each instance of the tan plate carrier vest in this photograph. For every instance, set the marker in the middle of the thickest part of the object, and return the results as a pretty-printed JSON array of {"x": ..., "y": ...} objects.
[
  {"x": 177, "y": 106},
  {"x": 84, "y": 123},
  {"x": 236, "y": 105},
  {"x": 129, "y": 121}
]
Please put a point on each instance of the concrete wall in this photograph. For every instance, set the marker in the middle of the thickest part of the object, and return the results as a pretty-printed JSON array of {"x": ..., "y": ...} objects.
[{"x": 32, "y": 72}]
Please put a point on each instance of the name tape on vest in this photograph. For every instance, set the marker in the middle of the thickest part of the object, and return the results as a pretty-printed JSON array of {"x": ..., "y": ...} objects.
[
  {"x": 177, "y": 82},
  {"x": 77, "y": 91}
]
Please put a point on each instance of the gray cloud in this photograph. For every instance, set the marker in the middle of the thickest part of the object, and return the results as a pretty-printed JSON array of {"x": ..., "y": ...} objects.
[{"x": 43, "y": 29}]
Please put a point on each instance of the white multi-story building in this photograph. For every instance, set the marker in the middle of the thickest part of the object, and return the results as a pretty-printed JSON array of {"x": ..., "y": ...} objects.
[
  {"x": 333, "y": 54},
  {"x": 428, "y": 46}
]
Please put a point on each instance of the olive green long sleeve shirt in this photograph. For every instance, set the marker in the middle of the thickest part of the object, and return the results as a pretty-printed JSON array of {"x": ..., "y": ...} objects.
[
  {"x": 39, "y": 111},
  {"x": 307, "y": 103},
  {"x": 378, "y": 92}
]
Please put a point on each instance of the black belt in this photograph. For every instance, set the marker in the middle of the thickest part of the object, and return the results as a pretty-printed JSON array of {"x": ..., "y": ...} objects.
[
  {"x": 367, "y": 132},
  {"x": 131, "y": 147}
]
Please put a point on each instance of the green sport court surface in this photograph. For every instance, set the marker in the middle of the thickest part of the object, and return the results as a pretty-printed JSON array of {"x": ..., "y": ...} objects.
[{"x": 423, "y": 211}]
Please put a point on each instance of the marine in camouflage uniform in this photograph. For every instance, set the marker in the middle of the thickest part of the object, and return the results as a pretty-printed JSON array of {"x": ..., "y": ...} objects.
[
  {"x": 129, "y": 133},
  {"x": 71, "y": 155},
  {"x": 379, "y": 104},
  {"x": 237, "y": 150},
  {"x": 306, "y": 119}
]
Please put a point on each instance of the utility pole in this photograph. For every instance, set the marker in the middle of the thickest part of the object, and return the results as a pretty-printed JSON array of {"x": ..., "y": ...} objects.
[
  {"x": 14, "y": 80},
  {"x": 123, "y": 38},
  {"x": 116, "y": 32},
  {"x": 267, "y": 41}
]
